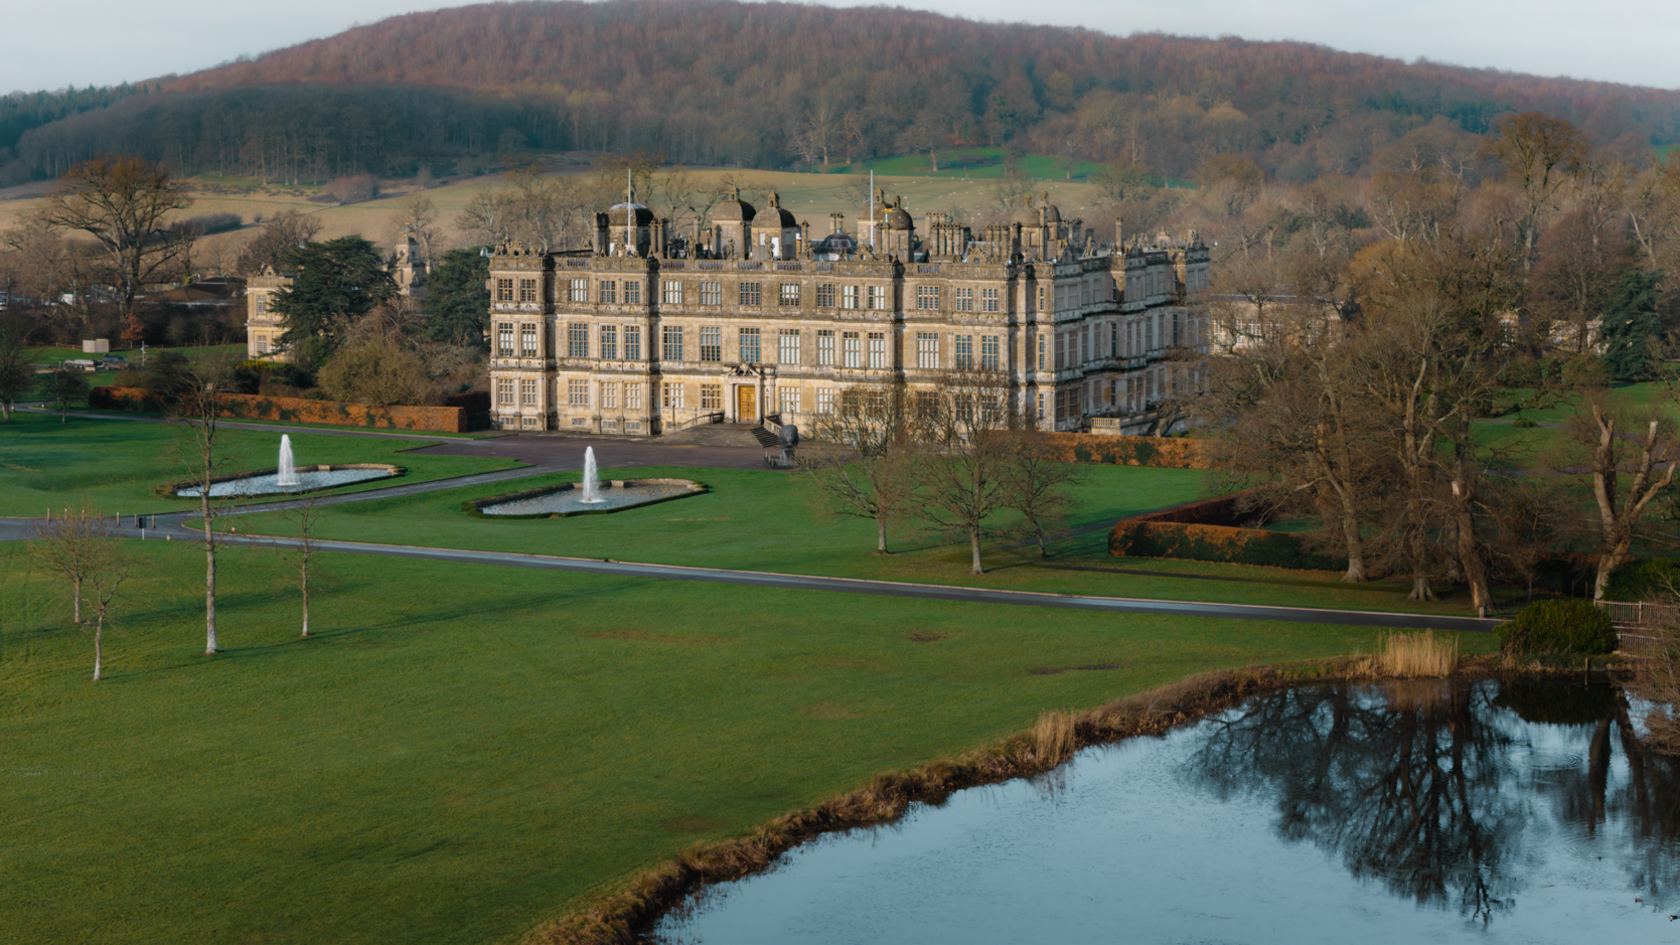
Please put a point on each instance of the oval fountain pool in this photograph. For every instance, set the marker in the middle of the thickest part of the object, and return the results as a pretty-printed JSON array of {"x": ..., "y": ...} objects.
[
  {"x": 1480, "y": 811},
  {"x": 588, "y": 495},
  {"x": 306, "y": 479}
]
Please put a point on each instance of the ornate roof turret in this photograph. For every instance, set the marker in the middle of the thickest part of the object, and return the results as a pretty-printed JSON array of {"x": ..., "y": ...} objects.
[
  {"x": 774, "y": 217},
  {"x": 734, "y": 209}
]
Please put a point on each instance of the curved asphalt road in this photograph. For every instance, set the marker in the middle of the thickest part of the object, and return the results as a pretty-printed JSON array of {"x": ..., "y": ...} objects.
[{"x": 171, "y": 526}]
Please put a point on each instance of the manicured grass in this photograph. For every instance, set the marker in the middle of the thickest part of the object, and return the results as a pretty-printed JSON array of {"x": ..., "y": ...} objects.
[
  {"x": 116, "y": 464},
  {"x": 465, "y": 751},
  {"x": 771, "y": 521}
]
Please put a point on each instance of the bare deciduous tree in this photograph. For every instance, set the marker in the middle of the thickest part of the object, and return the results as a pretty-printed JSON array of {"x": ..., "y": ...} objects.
[
  {"x": 123, "y": 203},
  {"x": 1039, "y": 485},
  {"x": 303, "y": 516},
  {"x": 199, "y": 409},
  {"x": 75, "y": 545},
  {"x": 966, "y": 426},
  {"x": 863, "y": 461},
  {"x": 106, "y": 583},
  {"x": 1648, "y": 449}
]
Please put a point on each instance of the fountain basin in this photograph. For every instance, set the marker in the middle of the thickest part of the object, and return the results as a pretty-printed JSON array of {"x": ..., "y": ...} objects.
[
  {"x": 567, "y": 499},
  {"x": 267, "y": 481}
]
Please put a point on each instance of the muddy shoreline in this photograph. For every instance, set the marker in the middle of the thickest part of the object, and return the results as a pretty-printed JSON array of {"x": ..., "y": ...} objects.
[{"x": 627, "y": 915}]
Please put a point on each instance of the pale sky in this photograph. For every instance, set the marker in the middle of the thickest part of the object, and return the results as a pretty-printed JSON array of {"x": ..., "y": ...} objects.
[{"x": 104, "y": 42}]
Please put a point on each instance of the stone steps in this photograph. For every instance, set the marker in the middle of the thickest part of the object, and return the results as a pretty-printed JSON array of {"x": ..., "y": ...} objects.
[{"x": 720, "y": 434}]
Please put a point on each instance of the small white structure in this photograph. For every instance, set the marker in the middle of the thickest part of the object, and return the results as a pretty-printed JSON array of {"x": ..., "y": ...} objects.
[{"x": 97, "y": 346}]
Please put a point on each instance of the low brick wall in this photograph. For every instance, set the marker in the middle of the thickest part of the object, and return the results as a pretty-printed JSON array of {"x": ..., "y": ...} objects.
[
  {"x": 298, "y": 410},
  {"x": 1166, "y": 453}
]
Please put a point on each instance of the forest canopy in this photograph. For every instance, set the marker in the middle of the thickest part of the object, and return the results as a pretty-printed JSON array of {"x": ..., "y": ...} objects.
[{"x": 774, "y": 85}]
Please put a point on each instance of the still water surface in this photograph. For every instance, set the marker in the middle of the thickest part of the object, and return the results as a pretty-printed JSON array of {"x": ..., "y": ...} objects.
[{"x": 1411, "y": 812}]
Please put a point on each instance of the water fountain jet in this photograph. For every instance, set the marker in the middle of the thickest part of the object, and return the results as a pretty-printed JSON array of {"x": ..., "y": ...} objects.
[
  {"x": 287, "y": 476},
  {"x": 591, "y": 482}
]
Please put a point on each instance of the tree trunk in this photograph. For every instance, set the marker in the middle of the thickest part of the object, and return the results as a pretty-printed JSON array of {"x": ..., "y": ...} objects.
[
  {"x": 1469, "y": 550},
  {"x": 98, "y": 645},
  {"x": 974, "y": 546},
  {"x": 880, "y": 534},
  {"x": 1609, "y": 561},
  {"x": 209, "y": 572},
  {"x": 305, "y": 585},
  {"x": 1420, "y": 575},
  {"x": 1355, "y": 548},
  {"x": 76, "y": 608}
]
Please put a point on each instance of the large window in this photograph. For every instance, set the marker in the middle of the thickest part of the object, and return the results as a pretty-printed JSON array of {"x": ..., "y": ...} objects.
[
  {"x": 632, "y": 342},
  {"x": 927, "y": 297},
  {"x": 878, "y": 298},
  {"x": 787, "y": 401},
  {"x": 673, "y": 394},
  {"x": 825, "y": 295},
  {"x": 965, "y": 299},
  {"x": 711, "y": 293},
  {"x": 988, "y": 300},
  {"x": 750, "y": 352},
  {"x": 577, "y": 340},
  {"x": 877, "y": 349},
  {"x": 632, "y": 292},
  {"x": 849, "y": 296},
  {"x": 504, "y": 340},
  {"x": 672, "y": 292},
  {"x": 711, "y": 343},
  {"x": 989, "y": 352},
  {"x": 527, "y": 341},
  {"x": 579, "y": 290},
  {"x": 504, "y": 392},
  {"x": 609, "y": 291},
  {"x": 711, "y": 396},
  {"x": 609, "y": 342},
  {"x": 825, "y": 347},
  {"x": 673, "y": 343},
  {"x": 965, "y": 352},
  {"x": 632, "y": 397},
  {"x": 527, "y": 290},
  {"x": 609, "y": 396},
  {"x": 825, "y": 400},
  {"x": 577, "y": 393},
  {"x": 751, "y": 294},
  {"x": 504, "y": 290},
  {"x": 927, "y": 350},
  {"x": 528, "y": 393},
  {"x": 787, "y": 350},
  {"x": 788, "y": 295},
  {"x": 849, "y": 350},
  {"x": 1041, "y": 353}
]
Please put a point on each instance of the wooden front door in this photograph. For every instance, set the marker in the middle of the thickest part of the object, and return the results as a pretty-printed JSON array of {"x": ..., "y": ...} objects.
[{"x": 746, "y": 404}]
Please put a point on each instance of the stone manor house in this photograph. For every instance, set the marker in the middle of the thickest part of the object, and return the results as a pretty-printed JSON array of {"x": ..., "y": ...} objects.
[{"x": 750, "y": 317}]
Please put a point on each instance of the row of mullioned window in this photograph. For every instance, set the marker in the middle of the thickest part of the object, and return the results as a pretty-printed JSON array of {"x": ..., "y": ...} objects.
[
  {"x": 615, "y": 395},
  {"x": 751, "y": 294}
]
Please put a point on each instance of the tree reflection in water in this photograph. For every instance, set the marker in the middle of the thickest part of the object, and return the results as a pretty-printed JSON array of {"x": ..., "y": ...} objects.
[
  {"x": 1404, "y": 785},
  {"x": 1432, "y": 787}
]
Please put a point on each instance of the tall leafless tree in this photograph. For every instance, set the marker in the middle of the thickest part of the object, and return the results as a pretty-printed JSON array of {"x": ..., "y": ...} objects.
[
  {"x": 74, "y": 545},
  {"x": 863, "y": 461}
]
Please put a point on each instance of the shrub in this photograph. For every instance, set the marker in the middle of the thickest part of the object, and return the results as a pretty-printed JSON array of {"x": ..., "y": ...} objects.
[
  {"x": 1642, "y": 579},
  {"x": 1558, "y": 626},
  {"x": 1523, "y": 423}
]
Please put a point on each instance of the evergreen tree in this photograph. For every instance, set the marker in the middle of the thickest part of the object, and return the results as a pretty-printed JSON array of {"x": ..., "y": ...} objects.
[
  {"x": 457, "y": 299},
  {"x": 1631, "y": 326},
  {"x": 337, "y": 282}
]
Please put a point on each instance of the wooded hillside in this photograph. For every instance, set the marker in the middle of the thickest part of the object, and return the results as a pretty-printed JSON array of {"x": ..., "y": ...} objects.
[{"x": 776, "y": 85}]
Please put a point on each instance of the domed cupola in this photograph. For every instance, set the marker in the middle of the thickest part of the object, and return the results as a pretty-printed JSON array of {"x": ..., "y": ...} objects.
[{"x": 732, "y": 222}]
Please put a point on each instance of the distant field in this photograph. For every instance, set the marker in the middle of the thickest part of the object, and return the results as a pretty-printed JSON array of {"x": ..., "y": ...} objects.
[{"x": 808, "y": 196}]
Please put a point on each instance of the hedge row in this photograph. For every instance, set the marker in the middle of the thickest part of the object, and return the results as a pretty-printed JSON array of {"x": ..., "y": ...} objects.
[
  {"x": 1140, "y": 538},
  {"x": 1170, "y": 453},
  {"x": 298, "y": 410}
]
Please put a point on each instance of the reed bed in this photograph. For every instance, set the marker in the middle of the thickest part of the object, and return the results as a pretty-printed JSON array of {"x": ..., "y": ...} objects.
[{"x": 1414, "y": 655}]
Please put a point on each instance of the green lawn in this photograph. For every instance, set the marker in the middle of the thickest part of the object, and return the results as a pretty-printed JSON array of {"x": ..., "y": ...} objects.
[
  {"x": 770, "y": 521},
  {"x": 115, "y": 464},
  {"x": 465, "y": 751}
]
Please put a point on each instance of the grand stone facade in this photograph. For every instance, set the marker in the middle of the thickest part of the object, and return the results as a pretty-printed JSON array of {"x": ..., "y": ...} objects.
[{"x": 748, "y": 318}]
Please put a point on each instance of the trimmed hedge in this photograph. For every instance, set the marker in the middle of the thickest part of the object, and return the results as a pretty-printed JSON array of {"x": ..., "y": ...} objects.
[
  {"x": 298, "y": 410},
  {"x": 1558, "y": 627},
  {"x": 1135, "y": 538},
  {"x": 1170, "y": 453}
]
